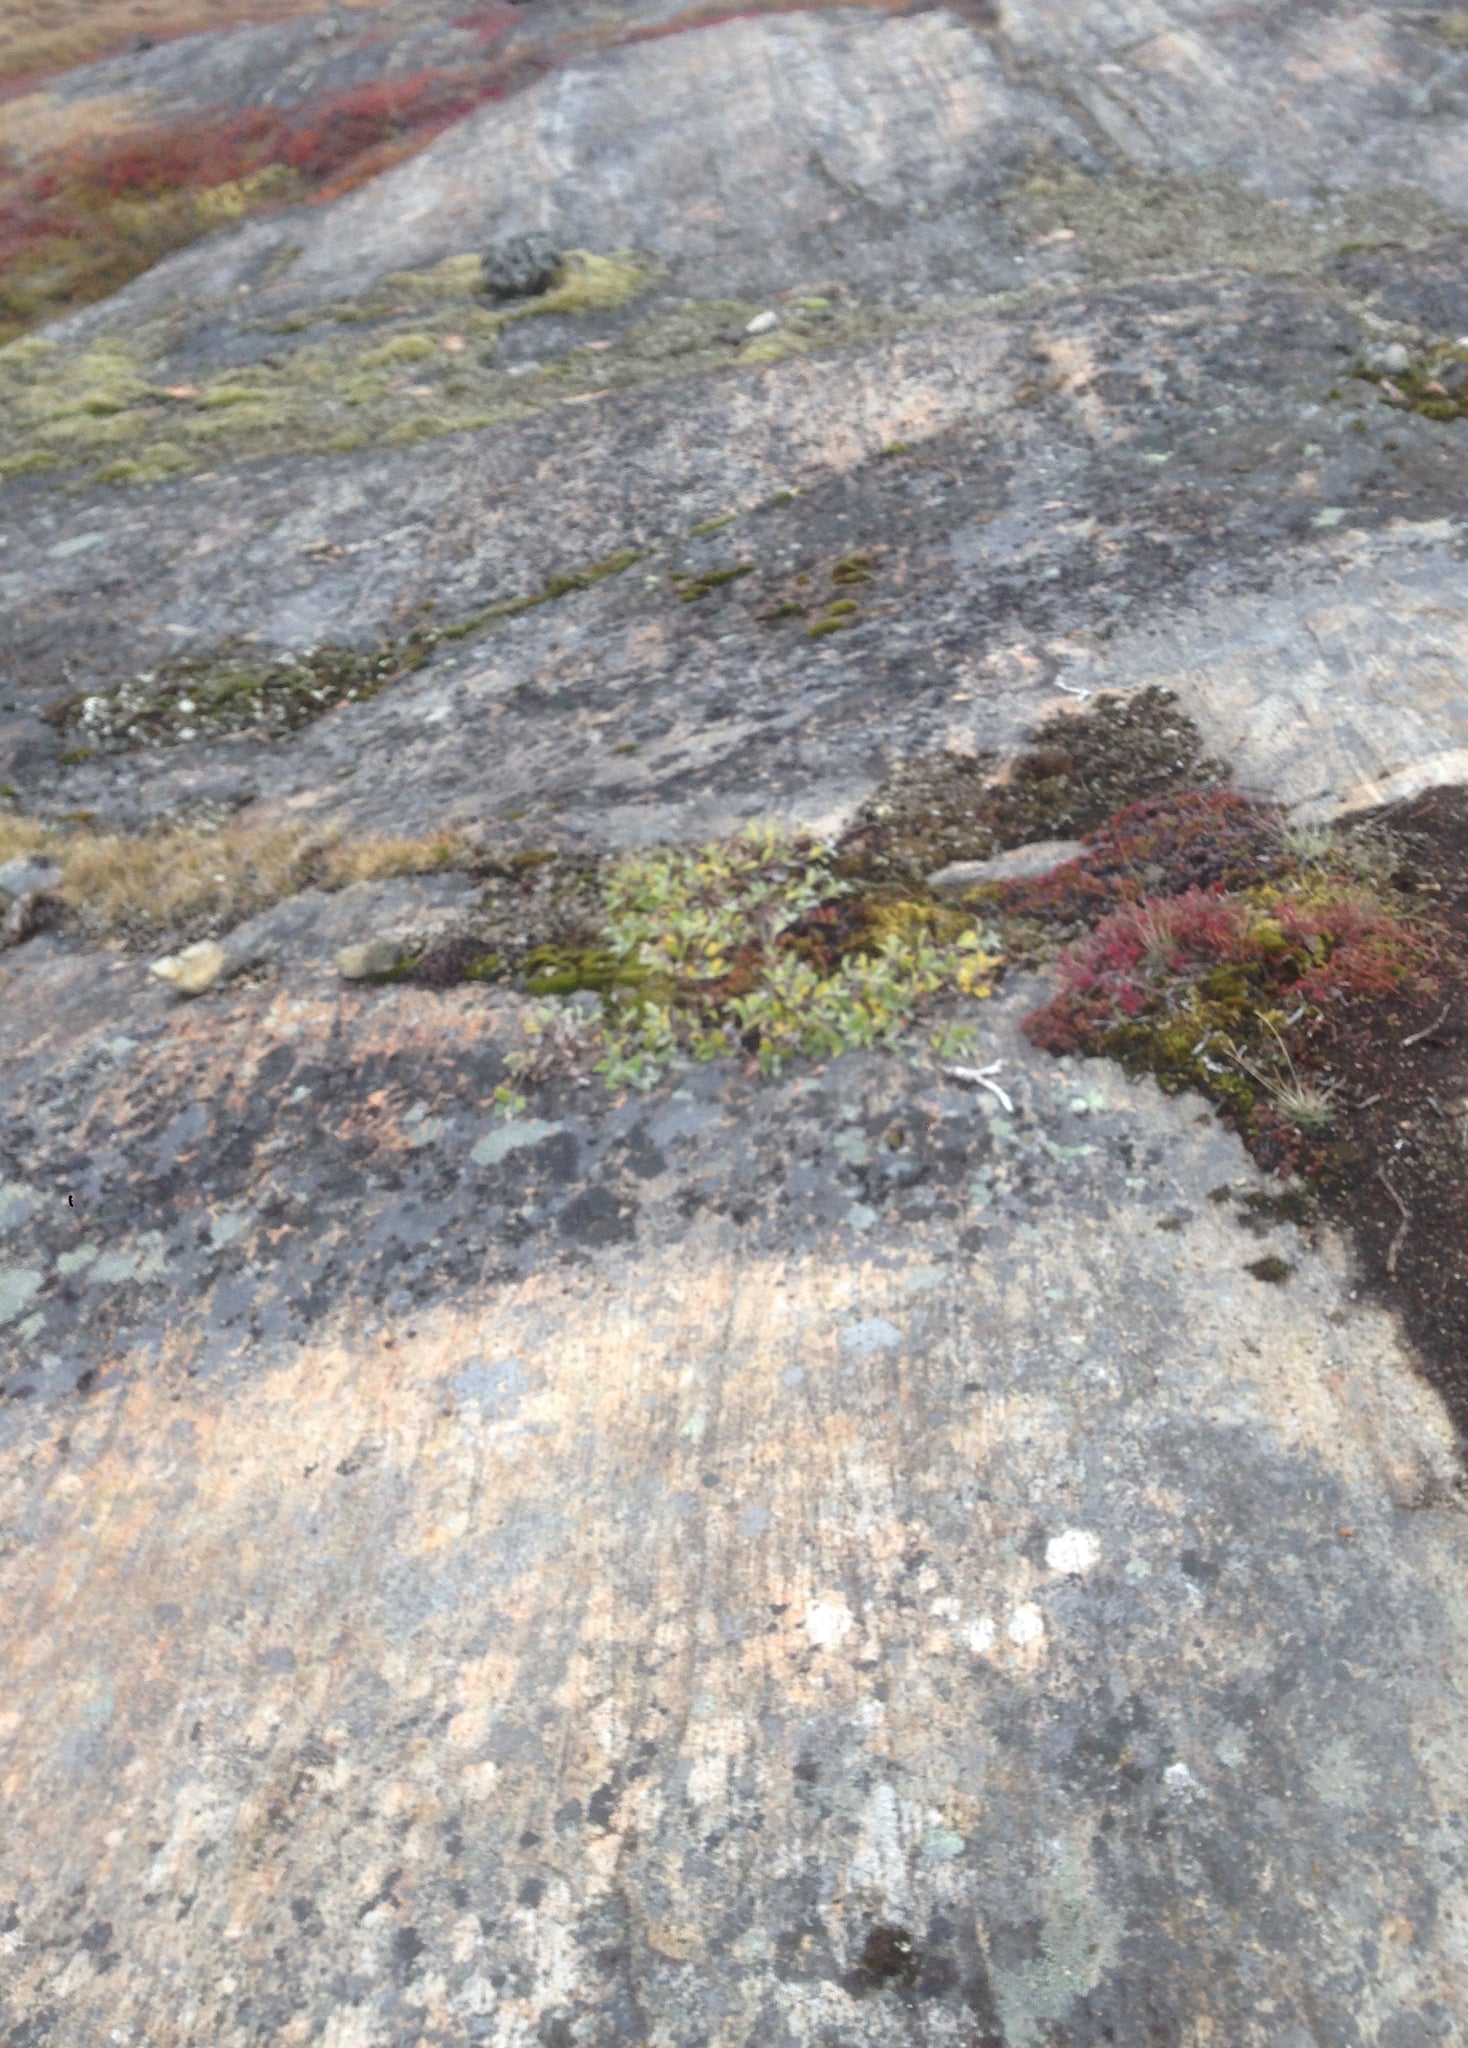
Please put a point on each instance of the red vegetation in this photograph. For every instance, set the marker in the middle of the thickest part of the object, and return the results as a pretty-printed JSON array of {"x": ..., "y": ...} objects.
[
  {"x": 1204, "y": 952},
  {"x": 1162, "y": 846},
  {"x": 490, "y": 23},
  {"x": 70, "y": 228},
  {"x": 319, "y": 139}
]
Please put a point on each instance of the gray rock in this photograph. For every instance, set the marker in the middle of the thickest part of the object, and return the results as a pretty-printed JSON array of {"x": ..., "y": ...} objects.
[
  {"x": 1453, "y": 377},
  {"x": 27, "y": 875},
  {"x": 26, "y": 745},
  {"x": 372, "y": 957},
  {"x": 1014, "y": 866},
  {"x": 521, "y": 267},
  {"x": 1389, "y": 357},
  {"x": 27, "y": 915}
]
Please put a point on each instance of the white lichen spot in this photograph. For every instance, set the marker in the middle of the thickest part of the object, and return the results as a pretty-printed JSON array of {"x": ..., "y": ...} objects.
[
  {"x": 980, "y": 1635},
  {"x": 879, "y": 1865},
  {"x": 17, "y": 1285},
  {"x": 1026, "y": 1625},
  {"x": 1180, "y": 1781},
  {"x": 945, "y": 1608},
  {"x": 866, "y": 1339},
  {"x": 1073, "y": 1552},
  {"x": 829, "y": 1622}
]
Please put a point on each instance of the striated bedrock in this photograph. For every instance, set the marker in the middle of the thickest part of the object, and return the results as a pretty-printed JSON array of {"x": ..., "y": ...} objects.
[{"x": 859, "y": 1557}]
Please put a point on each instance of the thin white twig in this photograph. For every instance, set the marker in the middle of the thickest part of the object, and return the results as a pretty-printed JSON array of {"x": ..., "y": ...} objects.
[
  {"x": 1427, "y": 1030},
  {"x": 1403, "y": 1228},
  {"x": 979, "y": 1077}
]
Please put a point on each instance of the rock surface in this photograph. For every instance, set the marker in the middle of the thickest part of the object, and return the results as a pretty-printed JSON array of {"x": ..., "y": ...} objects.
[{"x": 822, "y": 1561}]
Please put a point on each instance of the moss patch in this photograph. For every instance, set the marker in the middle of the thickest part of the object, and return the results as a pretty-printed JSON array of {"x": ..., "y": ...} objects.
[
  {"x": 1434, "y": 384},
  {"x": 234, "y": 691},
  {"x": 412, "y": 358},
  {"x": 1132, "y": 226}
]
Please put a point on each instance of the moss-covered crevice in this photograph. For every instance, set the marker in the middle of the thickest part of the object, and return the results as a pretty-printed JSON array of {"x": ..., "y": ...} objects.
[{"x": 235, "y": 690}]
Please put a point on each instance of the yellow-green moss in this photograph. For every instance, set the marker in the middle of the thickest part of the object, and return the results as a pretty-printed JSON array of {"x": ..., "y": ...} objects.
[
  {"x": 400, "y": 348},
  {"x": 374, "y": 371}
]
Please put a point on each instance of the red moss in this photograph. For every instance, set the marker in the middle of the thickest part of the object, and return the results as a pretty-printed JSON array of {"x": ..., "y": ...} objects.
[
  {"x": 323, "y": 142},
  {"x": 1162, "y": 846},
  {"x": 71, "y": 221},
  {"x": 488, "y": 24},
  {"x": 1204, "y": 952}
]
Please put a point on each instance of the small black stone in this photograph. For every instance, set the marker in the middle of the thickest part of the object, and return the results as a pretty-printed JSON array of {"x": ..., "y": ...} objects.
[{"x": 521, "y": 267}]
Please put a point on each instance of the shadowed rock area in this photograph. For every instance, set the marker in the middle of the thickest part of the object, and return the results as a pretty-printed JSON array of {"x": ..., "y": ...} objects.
[{"x": 928, "y": 1544}]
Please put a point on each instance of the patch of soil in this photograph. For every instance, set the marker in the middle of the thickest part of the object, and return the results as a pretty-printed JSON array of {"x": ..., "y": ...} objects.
[
  {"x": 1079, "y": 770},
  {"x": 1317, "y": 994},
  {"x": 1403, "y": 1188}
]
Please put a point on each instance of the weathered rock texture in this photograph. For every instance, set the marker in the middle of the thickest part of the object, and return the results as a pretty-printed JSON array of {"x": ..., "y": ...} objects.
[{"x": 580, "y": 1580}]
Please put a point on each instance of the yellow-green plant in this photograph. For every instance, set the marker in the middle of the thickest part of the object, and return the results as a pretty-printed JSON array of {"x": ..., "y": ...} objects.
[{"x": 707, "y": 931}]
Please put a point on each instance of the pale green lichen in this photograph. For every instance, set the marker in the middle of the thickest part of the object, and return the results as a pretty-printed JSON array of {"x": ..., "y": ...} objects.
[{"x": 1132, "y": 226}]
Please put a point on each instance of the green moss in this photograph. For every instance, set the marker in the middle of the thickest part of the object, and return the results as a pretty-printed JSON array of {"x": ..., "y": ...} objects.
[
  {"x": 692, "y": 588},
  {"x": 590, "y": 284},
  {"x": 564, "y": 970},
  {"x": 713, "y": 525},
  {"x": 844, "y": 612},
  {"x": 852, "y": 569},
  {"x": 1433, "y": 385},
  {"x": 556, "y": 586},
  {"x": 1273, "y": 1270},
  {"x": 374, "y": 371},
  {"x": 234, "y": 691},
  {"x": 28, "y": 462},
  {"x": 399, "y": 348}
]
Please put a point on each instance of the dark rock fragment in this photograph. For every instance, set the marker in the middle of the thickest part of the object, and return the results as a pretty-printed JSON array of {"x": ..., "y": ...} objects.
[{"x": 521, "y": 267}]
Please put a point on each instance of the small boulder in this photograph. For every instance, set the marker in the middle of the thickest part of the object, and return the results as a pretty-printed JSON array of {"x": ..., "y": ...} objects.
[
  {"x": 1386, "y": 358},
  {"x": 193, "y": 970},
  {"x": 521, "y": 267},
  {"x": 367, "y": 961},
  {"x": 762, "y": 323},
  {"x": 27, "y": 747},
  {"x": 1017, "y": 865},
  {"x": 28, "y": 914},
  {"x": 28, "y": 875}
]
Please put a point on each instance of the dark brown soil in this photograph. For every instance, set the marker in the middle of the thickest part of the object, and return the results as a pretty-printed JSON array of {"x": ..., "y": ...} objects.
[
  {"x": 1078, "y": 771},
  {"x": 1402, "y": 1184}
]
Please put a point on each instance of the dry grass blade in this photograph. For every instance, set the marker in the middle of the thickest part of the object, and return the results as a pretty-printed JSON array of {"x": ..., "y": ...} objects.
[
  {"x": 1308, "y": 1105},
  {"x": 188, "y": 880},
  {"x": 1406, "y": 1224}
]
